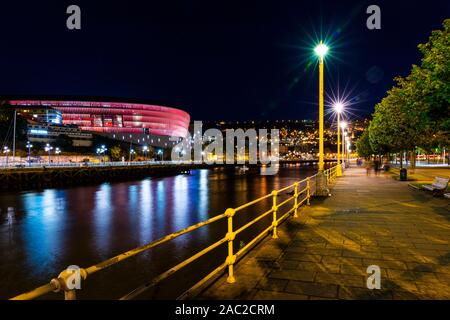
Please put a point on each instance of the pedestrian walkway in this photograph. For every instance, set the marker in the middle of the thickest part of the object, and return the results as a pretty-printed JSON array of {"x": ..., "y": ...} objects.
[{"x": 325, "y": 253}]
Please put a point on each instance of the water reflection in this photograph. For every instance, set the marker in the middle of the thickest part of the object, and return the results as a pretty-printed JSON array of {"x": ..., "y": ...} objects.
[
  {"x": 203, "y": 199},
  {"x": 42, "y": 228},
  {"x": 102, "y": 217},
  {"x": 146, "y": 209}
]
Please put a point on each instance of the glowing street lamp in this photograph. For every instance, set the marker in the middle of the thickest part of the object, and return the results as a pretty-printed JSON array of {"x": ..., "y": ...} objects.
[
  {"x": 6, "y": 151},
  {"x": 57, "y": 152},
  {"x": 48, "y": 148},
  {"x": 339, "y": 107},
  {"x": 145, "y": 149},
  {"x": 29, "y": 146},
  {"x": 100, "y": 152},
  {"x": 132, "y": 152},
  {"x": 321, "y": 50}
]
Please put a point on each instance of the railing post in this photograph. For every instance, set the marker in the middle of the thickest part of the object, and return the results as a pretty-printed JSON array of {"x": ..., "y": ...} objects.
[
  {"x": 69, "y": 281},
  {"x": 308, "y": 191},
  {"x": 274, "y": 210},
  {"x": 295, "y": 199},
  {"x": 231, "y": 258}
]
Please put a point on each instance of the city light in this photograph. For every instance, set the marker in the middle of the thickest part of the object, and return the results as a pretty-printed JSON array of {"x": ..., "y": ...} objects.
[
  {"x": 344, "y": 124},
  {"x": 101, "y": 151},
  {"x": 38, "y": 131}
]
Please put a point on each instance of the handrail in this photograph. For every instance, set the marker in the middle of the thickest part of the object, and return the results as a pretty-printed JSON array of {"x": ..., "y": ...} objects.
[{"x": 62, "y": 282}]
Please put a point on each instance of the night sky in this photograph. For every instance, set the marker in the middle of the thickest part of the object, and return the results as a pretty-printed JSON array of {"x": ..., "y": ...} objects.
[{"x": 231, "y": 60}]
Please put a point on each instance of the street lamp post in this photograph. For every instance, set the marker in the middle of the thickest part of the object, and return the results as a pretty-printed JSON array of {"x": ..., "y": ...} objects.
[
  {"x": 343, "y": 127},
  {"x": 103, "y": 152},
  {"x": 145, "y": 149},
  {"x": 48, "y": 148},
  {"x": 131, "y": 154},
  {"x": 100, "y": 152},
  {"x": 322, "y": 190},
  {"x": 57, "y": 152},
  {"x": 29, "y": 146},
  {"x": 160, "y": 153},
  {"x": 338, "y": 107},
  {"x": 6, "y": 151}
]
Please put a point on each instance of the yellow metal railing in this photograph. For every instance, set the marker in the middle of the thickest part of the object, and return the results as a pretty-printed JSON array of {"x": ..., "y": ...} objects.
[
  {"x": 301, "y": 193},
  {"x": 331, "y": 173}
]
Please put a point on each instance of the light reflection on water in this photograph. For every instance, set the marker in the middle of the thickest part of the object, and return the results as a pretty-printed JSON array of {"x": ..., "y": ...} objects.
[{"x": 42, "y": 232}]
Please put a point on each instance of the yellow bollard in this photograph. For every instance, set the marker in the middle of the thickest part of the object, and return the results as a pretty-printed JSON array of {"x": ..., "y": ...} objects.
[
  {"x": 274, "y": 209},
  {"x": 231, "y": 258}
]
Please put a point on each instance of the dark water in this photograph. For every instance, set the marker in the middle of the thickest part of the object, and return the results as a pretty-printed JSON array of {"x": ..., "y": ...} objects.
[{"x": 42, "y": 232}]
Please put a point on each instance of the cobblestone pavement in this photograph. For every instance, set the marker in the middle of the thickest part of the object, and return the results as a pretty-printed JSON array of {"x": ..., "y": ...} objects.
[{"x": 324, "y": 254}]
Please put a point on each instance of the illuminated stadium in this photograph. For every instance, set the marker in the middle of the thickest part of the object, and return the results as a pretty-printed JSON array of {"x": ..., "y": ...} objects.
[{"x": 119, "y": 120}]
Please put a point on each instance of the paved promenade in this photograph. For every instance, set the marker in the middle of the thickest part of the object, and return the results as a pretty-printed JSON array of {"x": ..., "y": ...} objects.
[{"x": 324, "y": 253}]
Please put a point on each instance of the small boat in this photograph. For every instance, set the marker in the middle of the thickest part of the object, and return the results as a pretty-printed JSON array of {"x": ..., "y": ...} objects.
[{"x": 242, "y": 170}]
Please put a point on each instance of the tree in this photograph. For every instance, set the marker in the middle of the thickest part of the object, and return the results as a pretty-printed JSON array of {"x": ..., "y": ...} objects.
[
  {"x": 116, "y": 153},
  {"x": 416, "y": 111},
  {"x": 432, "y": 79},
  {"x": 363, "y": 146}
]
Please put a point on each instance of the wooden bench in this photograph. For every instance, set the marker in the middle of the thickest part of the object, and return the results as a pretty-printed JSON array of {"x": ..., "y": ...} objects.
[{"x": 438, "y": 186}]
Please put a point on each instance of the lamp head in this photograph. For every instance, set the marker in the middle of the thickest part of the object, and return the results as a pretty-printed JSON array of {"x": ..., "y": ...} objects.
[
  {"x": 338, "y": 106},
  {"x": 321, "y": 50}
]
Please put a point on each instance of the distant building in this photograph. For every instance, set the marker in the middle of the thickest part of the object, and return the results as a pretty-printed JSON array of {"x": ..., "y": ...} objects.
[
  {"x": 50, "y": 133},
  {"x": 50, "y": 116}
]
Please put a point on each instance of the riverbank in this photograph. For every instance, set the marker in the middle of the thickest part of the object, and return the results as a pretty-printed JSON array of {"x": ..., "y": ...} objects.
[{"x": 40, "y": 177}]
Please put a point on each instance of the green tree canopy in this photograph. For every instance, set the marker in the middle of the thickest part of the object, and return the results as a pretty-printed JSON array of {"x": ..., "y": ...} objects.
[
  {"x": 416, "y": 111},
  {"x": 363, "y": 146}
]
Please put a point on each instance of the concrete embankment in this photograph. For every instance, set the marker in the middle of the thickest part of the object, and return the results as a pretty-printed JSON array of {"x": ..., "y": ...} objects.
[{"x": 29, "y": 178}]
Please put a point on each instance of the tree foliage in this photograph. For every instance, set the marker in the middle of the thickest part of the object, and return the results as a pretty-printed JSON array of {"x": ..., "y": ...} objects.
[
  {"x": 416, "y": 111},
  {"x": 116, "y": 153},
  {"x": 363, "y": 146}
]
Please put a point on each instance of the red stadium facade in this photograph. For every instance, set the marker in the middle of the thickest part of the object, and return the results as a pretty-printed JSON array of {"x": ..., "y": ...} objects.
[{"x": 117, "y": 118}]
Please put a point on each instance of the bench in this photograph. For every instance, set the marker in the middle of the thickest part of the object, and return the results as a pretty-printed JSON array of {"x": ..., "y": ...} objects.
[{"x": 438, "y": 186}]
